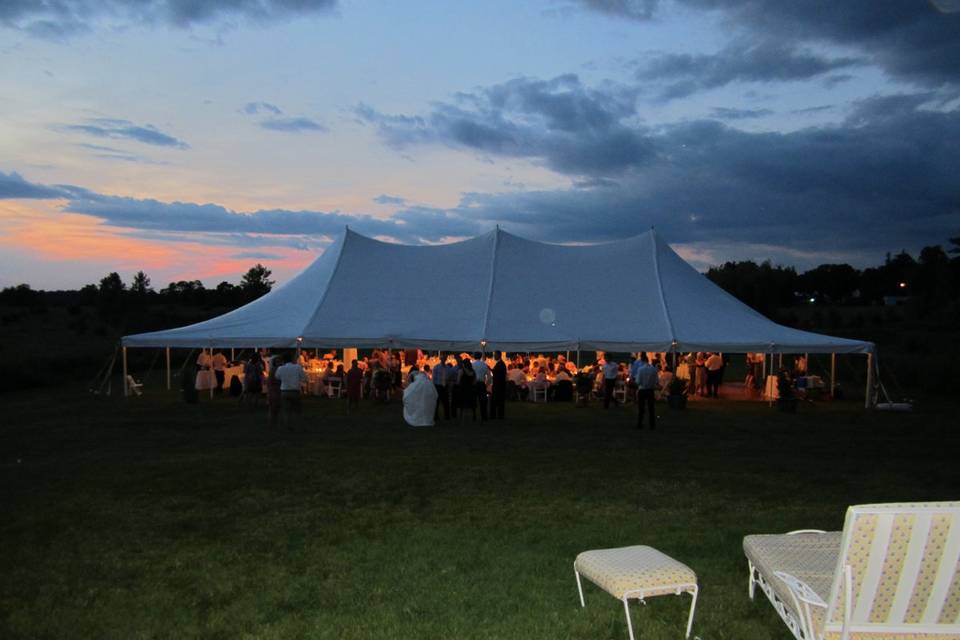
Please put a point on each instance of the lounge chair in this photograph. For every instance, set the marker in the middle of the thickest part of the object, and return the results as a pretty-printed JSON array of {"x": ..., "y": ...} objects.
[{"x": 891, "y": 574}]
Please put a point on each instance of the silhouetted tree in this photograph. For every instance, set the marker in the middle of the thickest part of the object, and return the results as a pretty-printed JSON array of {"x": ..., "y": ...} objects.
[
  {"x": 762, "y": 286},
  {"x": 21, "y": 296},
  {"x": 141, "y": 284},
  {"x": 834, "y": 282},
  {"x": 256, "y": 281}
]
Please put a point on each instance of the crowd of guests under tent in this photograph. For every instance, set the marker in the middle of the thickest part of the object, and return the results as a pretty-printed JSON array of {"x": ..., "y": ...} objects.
[{"x": 460, "y": 386}]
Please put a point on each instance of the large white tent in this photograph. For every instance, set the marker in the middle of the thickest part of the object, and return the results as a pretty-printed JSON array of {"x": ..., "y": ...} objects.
[{"x": 500, "y": 291}]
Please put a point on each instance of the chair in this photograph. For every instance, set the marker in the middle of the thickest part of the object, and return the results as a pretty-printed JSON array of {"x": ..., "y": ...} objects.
[
  {"x": 891, "y": 574},
  {"x": 536, "y": 392},
  {"x": 620, "y": 392},
  {"x": 334, "y": 388},
  {"x": 134, "y": 386}
]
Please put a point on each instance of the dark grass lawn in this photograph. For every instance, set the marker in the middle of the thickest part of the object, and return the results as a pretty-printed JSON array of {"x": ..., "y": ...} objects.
[{"x": 149, "y": 518}]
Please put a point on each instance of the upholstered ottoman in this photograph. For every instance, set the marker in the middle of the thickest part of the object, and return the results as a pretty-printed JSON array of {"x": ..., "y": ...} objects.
[{"x": 636, "y": 572}]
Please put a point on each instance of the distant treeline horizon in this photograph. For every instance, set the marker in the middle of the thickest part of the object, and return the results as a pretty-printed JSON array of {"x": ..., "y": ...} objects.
[{"x": 931, "y": 279}]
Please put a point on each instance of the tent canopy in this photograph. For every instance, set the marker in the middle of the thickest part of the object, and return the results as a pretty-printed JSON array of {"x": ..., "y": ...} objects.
[{"x": 500, "y": 291}]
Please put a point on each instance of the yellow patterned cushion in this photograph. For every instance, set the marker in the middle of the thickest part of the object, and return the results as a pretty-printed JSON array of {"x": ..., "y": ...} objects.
[
  {"x": 811, "y": 557},
  {"x": 619, "y": 571}
]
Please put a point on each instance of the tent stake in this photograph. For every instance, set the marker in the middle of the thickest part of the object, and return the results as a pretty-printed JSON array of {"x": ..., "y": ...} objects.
[
  {"x": 126, "y": 385},
  {"x": 168, "y": 368}
]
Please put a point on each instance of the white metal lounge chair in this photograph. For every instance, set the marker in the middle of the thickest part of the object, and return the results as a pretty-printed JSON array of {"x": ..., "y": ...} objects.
[{"x": 891, "y": 574}]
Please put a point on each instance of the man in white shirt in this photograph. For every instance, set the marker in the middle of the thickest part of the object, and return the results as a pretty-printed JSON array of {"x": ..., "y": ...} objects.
[
  {"x": 291, "y": 376},
  {"x": 482, "y": 372},
  {"x": 610, "y": 374},
  {"x": 714, "y": 365}
]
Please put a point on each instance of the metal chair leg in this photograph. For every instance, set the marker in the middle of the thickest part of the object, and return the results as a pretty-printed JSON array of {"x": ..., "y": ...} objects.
[
  {"x": 579, "y": 586},
  {"x": 693, "y": 607},
  {"x": 626, "y": 609}
]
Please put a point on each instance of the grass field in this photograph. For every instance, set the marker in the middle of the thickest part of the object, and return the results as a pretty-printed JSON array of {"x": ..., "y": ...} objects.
[{"x": 149, "y": 518}]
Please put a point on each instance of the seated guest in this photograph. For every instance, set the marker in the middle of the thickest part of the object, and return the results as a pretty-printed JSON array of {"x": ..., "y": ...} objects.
[
  {"x": 516, "y": 382},
  {"x": 664, "y": 378}
]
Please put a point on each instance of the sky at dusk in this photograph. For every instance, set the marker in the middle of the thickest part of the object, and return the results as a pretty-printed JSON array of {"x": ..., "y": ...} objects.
[{"x": 194, "y": 138}]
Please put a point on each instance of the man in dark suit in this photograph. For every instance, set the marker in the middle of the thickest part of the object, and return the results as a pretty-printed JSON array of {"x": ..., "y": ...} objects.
[{"x": 499, "y": 391}]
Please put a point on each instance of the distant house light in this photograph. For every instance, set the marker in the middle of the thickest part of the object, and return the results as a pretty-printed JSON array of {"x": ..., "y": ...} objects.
[
  {"x": 812, "y": 300},
  {"x": 903, "y": 285}
]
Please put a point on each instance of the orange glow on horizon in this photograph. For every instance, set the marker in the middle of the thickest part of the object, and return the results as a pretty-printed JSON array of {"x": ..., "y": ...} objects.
[{"x": 63, "y": 238}]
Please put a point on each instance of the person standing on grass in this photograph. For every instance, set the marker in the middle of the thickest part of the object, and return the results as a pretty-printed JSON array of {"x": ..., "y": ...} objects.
[
  {"x": 252, "y": 379},
  {"x": 714, "y": 365},
  {"x": 644, "y": 377},
  {"x": 499, "y": 388},
  {"x": 466, "y": 389},
  {"x": 354, "y": 385},
  {"x": 482, "y": 371},
  {"x": 292, "y": 377},
  {"x": 219, "y": 364},
  {"x": 611, "y": 371},
  {"x": 440, "y": 382}
]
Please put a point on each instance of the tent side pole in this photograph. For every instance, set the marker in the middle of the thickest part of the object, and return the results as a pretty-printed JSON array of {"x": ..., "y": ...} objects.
[
  {"x": 126, "y": 385},
  {"x": 867, "y": 400},
  {"x": 210, "y": 352},
  {"x": 168, "y": 368},
  {"x": 833, "y": 374}
]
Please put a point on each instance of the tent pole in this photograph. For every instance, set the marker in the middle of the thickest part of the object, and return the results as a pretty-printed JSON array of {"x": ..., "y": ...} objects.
[
  {"x": 210, "y": 352},
  {"x": 168, "y": 368},
  {"x": 126, "y": 385},
  {"x": 867, "y": 401},
  {"x": 833, "y": 374},
  {"x": 233, "y": 356}
]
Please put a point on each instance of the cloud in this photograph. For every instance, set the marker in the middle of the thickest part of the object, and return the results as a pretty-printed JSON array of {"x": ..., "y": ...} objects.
[
  {"x": 912, "y": 41},
  {"x": 257, "y": 255},
  {"x": 13, "y": 186},
  {"x": 633, "y": 9},
  {"x": 293, "y": 125},
  {"x": 253, "y": 108},
  {"x": 916, "y": 41},
  {"x": 882, "y": 178},
  {"x": 385, "y": 199},
  {"x": 111, "y": 153},
  {"x": 727, "y": 113},
  {"x": 117, "y": 129},
  {"x": 559, "y": 122},
  {"x": 683, "y": 74},
  {"x": 63, "y": 19}
]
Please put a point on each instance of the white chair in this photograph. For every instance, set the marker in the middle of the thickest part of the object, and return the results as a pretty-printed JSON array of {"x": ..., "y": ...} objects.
[
  {"x": 334, "y": 388},
  {"x": 620, "y": 391},
  {"x": 891, "y": 574},
  {"x": 134, "y": 386},
  {"x": 538, "y": 394}
]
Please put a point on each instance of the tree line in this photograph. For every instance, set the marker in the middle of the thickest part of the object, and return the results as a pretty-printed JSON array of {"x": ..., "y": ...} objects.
[
  {"x": 931, "y": 281},
  {"x": 113, "y": 293}
]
